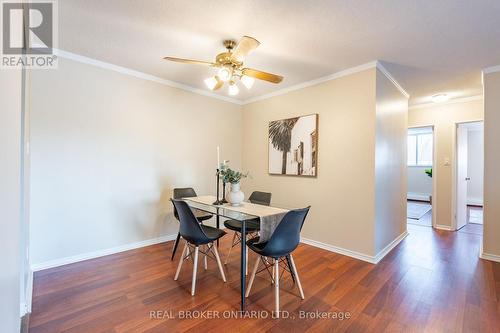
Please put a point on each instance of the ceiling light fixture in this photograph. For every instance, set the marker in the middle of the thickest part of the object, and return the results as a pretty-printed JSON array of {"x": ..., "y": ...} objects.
[
  {"x": 230, "y": 66},
  {"x": 213, "y": 82},
  {"x": 440, "y": 98},
  {"x": 247, "y": 81},
  {"x": 233, "y": 89},
  {"x": 225, "y": 73}
]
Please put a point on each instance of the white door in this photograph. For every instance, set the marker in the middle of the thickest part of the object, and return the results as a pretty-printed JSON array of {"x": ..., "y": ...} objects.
[{"x": 462, "y": 178}]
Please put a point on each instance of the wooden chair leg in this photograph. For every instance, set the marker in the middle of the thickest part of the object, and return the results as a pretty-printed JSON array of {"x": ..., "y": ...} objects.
[
  {"x": 230, "y": 248},
  {"x": 205, "y": 259},
  {"x": 195, "y": 268},
  {"x": 272, "y": 280},
  {"x": 184, "y": 250},
  {"x": 252, "y": 277},
  {"x": 277, "y": 287},
  {"x": 177, "y": 240},
  {"x": 221, "y": 269},
  {"x": 296, "y": 277}
]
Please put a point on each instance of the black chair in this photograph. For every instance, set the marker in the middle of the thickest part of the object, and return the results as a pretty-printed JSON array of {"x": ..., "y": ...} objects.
[
  {"x": 279, "y": 247},
  {"x": 186, "y": 192},
  {"x": 260, "y": 198},
  {"x": 196, "y": 235}
]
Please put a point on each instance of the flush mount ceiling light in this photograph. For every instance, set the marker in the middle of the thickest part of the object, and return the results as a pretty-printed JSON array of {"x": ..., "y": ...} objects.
[
  {"x": 230, "y": 66},
  {"x": 440, "y": 98}
]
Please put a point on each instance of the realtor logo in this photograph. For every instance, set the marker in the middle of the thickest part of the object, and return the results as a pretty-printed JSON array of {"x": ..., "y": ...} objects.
[{"x": 29, "y": 34}]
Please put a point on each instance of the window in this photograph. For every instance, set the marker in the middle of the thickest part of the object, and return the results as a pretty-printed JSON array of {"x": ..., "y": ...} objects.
[{"x": 420, "y": 147}]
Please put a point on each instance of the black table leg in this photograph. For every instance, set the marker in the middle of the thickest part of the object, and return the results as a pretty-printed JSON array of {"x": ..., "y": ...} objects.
[
  {"x": 217, "y": 219},
  {"x": 243, "y": 263}
]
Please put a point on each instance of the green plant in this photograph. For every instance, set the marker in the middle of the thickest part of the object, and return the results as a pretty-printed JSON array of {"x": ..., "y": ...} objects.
[
  {"x": 230, "y": 176},
  {"x": 428, "y": 172}
]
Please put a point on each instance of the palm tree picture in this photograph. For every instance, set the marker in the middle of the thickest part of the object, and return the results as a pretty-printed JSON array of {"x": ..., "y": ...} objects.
[{"x": 292, "y": 146}]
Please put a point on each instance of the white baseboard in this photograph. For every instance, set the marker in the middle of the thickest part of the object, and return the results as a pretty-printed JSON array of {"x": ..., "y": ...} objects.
[
  {"x": 100, "y": 253},
  {"x": 354, "y": 254},
  {"x": 29, "y": 291},
  {"x": 488, "y": 256},
  {"x": 418, "y": 196},
  {"x": 339, "y": 250},
  {"x": 390, "y": 246},
  {"x": 444, "y": 227},
  {"x": 23, "y": 309}
]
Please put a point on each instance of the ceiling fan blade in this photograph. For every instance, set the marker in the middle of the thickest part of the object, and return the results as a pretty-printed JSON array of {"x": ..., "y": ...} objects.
[
  {"x": 190, "y": 61},
  {"x": 262, "y": 75},
  {"x": 244, "y": 47}
]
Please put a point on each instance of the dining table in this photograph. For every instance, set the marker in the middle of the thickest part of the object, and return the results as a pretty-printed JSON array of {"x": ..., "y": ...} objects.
[{"x": 268, "y": 216}]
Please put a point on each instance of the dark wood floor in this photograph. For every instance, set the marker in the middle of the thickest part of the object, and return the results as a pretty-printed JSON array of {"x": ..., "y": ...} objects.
[{"x": 433, "y": 281}]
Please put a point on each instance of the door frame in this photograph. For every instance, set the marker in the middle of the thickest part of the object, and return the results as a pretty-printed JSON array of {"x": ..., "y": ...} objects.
[
  {"x": 434, "y": 171},
  {"x": 454, "y": 170}
]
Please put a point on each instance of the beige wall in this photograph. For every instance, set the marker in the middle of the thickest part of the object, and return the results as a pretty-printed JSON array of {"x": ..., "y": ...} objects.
[
  {"x": 491, "y": 240},
  {"x": 10, "y": 198},
  {"x": 108, "y": 148},
  {"x": 444, "y": 118},
  {"x": 390, "y": 163},
  {"x": 342, "y": 195}
]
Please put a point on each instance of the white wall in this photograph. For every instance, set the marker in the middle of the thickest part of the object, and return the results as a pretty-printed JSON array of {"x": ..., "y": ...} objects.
[
  {"x": 419, "y": 184},
  {"x": 444, "y": 118},
  {"x": 390, "y": 163},
  {"x": 475, "y": 167},
  {"x": 10, "y": 199},
  {"x": 491, "y": 227},
  {"x": 106, "y": 151},
  {"x": 342, "y": 195}
]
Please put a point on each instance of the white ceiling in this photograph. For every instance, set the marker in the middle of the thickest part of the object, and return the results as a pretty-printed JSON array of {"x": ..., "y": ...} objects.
[{"x": 428, "y": 46}]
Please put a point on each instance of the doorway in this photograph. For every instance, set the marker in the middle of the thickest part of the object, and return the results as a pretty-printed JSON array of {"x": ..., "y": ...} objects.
[
  {"x": 420, "y": 170},
  {"x": 469, "y": 177}
]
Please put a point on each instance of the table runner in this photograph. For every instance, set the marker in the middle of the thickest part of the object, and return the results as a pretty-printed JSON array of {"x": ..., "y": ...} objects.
[{"x": 269, "y": 216}]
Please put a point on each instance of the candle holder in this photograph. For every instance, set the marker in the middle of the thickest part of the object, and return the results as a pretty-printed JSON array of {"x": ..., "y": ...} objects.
[
  {"x": 224, "y": 192},
  {"x": 218, "y": 202}
]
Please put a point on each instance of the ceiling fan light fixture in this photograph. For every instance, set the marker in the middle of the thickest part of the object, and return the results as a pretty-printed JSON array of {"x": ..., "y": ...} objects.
[
  {"x": 211, "y": 82},
  {"x": 247, "y": 81},
  {"x": 225, "y": 74},
  {"x": 233, "y": 89}
]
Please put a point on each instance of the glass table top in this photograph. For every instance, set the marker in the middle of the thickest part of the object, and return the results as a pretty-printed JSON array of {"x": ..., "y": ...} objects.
[{"x": 223, "y": 211}]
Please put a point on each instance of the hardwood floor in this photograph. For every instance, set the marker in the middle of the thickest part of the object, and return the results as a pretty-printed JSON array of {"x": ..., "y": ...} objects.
[{"x": 433, "y": 281}]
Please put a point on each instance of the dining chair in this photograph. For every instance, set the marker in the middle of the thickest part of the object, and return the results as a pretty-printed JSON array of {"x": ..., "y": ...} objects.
[
  {"x": 278, "y": 248},
  {"x": 186, "y": 192},
  {"x": 196, "y": 235},
  {"x": 252, "y": 227}
]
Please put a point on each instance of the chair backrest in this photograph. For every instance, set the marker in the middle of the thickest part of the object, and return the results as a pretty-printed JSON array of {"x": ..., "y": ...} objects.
[
  {"x": 261, "y": 198},
  {"x": 190, "y": 228},
  {"x": 183, "y": 192},
  {"x": 286, "y": 236}
]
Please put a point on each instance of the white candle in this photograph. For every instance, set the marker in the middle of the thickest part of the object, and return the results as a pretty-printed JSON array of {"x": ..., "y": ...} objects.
[{"x": 218, "y": 157}]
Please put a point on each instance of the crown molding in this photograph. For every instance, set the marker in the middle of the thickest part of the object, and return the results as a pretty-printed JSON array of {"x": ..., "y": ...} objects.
[
  {"x": 492, "y": 69},
  {"x": 314, "y": 82},
  {"x": 388, "y": 75},
  {"x": 140, "y": 75},
  {"x": 346, "y": 72},
  {"x": 451, "y": 101}
]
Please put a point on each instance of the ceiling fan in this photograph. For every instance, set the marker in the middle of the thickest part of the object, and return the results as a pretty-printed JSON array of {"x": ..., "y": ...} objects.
[{"x": 230, "y": 66}]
